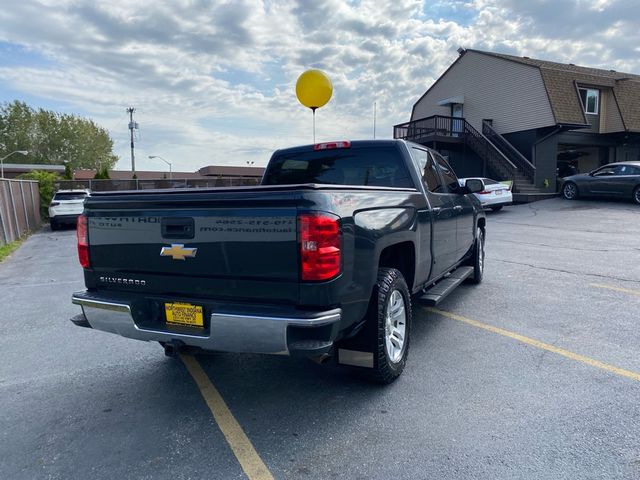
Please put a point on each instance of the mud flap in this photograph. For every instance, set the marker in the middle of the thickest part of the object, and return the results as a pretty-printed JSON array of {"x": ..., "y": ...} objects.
[{"x": 358, "y": 351}]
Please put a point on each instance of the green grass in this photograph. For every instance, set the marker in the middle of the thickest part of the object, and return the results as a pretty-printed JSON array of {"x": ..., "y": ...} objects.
[{"x": 9, "y": 248}]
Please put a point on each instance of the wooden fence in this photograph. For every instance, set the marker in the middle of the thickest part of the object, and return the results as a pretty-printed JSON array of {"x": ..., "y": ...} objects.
[{"x": 19, "y": 208}]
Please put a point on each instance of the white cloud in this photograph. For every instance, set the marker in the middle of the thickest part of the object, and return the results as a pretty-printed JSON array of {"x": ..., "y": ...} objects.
[{"x": 213, "y": 82}]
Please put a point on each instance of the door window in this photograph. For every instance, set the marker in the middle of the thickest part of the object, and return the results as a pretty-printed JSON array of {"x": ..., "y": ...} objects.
[
  {"x": 457, "y": 124},
  {"x": 629, "y": 170},
  {"x": 449, "y": 178},
  {"x": 605, "y": 172},
  {"x": 428, "y": 170}
]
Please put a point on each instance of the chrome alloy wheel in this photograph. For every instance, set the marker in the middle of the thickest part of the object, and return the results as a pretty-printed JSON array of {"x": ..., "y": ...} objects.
[
  {"x": 395, "y": 326},
  {"x": 636, "y": 195},
  {"x": 570, "y": 191}
]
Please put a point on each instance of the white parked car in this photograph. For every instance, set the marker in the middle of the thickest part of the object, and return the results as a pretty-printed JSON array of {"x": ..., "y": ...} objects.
[
  {"x": 65, "y": 207},
  {"x": 494, "y": 195}
]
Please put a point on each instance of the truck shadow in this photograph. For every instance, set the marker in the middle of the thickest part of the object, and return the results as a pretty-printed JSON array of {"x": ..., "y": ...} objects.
[{"x": 300, "y": 403}]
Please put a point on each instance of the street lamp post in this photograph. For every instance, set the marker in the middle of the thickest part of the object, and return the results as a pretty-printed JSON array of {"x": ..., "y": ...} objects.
[
  {"x": 22, "y": 152},
  {"x": 165, "y": 161}
]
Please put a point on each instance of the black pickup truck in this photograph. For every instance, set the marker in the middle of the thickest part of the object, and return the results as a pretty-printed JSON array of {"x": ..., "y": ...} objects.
[{"x": 322, "y": 259}]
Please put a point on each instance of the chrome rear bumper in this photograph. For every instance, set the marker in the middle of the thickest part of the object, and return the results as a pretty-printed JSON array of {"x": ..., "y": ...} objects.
[{"x": 227, "y": 332}]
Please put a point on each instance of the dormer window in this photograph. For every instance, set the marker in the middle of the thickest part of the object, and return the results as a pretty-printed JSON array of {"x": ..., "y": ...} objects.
[{"x": 590, "y": 98}]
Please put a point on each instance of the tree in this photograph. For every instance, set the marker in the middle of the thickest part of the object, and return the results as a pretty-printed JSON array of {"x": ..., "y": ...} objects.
[
  {"x": 46, "y": 186},
  {"x": 102, "y": 173},
  {"x": 54, "y": 138},
  {"x": 68, "y": 173}
]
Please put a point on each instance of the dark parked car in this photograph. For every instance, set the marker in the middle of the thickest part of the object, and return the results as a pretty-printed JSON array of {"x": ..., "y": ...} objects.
[
  {"x": 616, "y": 180},
  {"x": 322, "y": 259}
]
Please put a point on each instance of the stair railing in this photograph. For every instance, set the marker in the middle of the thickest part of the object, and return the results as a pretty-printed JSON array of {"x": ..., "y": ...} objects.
[
  {"x": 519, "y": 160},
  {"x": 489, "y": 152}
]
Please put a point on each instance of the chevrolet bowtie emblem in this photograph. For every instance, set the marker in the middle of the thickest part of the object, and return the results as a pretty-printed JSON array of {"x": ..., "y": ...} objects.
[{"x": 177, "y": 251}]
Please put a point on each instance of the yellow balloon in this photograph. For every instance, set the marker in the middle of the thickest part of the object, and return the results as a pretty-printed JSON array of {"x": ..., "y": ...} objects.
[{"x": 313, "y": 89}]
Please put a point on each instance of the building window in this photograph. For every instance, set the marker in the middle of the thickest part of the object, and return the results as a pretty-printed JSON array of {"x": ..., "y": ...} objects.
[{"x": 590, "y": 98}]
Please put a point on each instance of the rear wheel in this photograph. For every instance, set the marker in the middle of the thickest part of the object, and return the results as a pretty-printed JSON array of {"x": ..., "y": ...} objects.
[
  {"x": 636, "y": 195},
  {"x": 570, "y": 191},
  {"x": 477, "y": 259},
  {"x": 54, "y": 225},
  {"x": 497, "y": 208},
  {"x": 388, "y": 327}
]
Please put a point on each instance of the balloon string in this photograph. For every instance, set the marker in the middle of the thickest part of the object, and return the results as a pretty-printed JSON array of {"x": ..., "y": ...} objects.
[{"x": 314, "y": 124}]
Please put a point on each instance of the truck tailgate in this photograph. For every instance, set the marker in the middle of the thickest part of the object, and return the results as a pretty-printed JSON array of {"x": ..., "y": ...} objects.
[{"x": 214, "y": 245}]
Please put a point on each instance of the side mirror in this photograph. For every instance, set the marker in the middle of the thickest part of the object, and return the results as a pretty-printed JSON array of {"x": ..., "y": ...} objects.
[{"x": 473, "y": 185}]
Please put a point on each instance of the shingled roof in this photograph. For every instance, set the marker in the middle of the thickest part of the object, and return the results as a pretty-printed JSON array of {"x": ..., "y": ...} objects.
[{"x": 560, "y": 80}]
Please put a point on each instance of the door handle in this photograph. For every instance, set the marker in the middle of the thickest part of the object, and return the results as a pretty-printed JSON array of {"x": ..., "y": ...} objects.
[
  {"x": 458, "y": 208},
  {"x": 436, "y": 210}
]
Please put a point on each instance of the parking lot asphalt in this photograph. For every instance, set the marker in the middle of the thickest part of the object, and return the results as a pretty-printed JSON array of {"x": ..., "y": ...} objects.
[{"x": 473, "y": 402}]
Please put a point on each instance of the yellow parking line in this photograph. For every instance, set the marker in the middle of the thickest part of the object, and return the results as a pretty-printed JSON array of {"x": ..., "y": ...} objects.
[
  {"x": 250, "y": 461},
  {"x": 535, "y": 343},
  {"x": 615, "y": 289}
]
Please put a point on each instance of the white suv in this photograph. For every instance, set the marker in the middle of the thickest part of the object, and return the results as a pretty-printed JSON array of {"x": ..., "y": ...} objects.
[{"x": 65, "y": 207}]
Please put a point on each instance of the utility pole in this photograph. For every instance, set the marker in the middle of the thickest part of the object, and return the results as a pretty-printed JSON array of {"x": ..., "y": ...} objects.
[
  {"x": 374, "y": 119},
  {"x": 132, "y": 125}
]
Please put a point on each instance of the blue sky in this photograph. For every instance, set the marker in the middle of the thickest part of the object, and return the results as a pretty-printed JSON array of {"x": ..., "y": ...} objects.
[{"x": 213, "y": 82}]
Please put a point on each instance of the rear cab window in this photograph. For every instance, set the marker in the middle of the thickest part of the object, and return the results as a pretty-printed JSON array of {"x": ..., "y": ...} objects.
[{"x": 380, "y": 166}]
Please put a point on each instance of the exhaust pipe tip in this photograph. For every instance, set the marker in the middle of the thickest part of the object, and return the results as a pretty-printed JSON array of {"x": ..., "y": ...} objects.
[
  {"x": 321, "y": 359},
  {"x": 173, "y": 348}
]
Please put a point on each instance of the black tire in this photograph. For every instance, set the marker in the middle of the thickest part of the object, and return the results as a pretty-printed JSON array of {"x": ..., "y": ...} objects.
[
  {"x": 385, "y": 368},
  {"x": 477, "y": 259},
  {"x": 54, "y": 225},
  {"x": 497, "y": 208},
  {"x": 570, "y": 191},
  {"x": 636, "y": 195}
]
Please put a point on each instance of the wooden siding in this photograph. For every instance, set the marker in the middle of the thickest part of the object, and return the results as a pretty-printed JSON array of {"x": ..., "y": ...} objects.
[
  {"x": 511, "y": 94},
  {"x": 610, "y": 119}
]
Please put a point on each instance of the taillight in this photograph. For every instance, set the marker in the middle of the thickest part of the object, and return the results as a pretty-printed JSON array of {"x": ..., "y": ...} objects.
[
  {"x": 483, "y": 192},
  {"x": 332, "y": 145},
  {"x": 83, "y": 241},
  {"x": 54, "y": 204},
  {"x": 319, "y": 246}
]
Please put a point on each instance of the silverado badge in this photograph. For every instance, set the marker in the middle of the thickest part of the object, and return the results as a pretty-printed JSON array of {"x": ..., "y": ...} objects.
[{"x": 177, "y": 251}]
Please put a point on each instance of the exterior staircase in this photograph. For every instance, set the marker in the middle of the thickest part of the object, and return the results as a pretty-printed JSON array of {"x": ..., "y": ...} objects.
[{"x": 500, "y": 156}]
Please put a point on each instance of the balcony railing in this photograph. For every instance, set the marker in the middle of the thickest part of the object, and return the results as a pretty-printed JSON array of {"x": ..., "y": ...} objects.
[{"x": 435, "y": 125}]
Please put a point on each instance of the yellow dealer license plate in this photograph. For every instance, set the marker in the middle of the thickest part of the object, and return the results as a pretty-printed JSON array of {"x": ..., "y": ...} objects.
[{"x": 184, "y": 314}]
